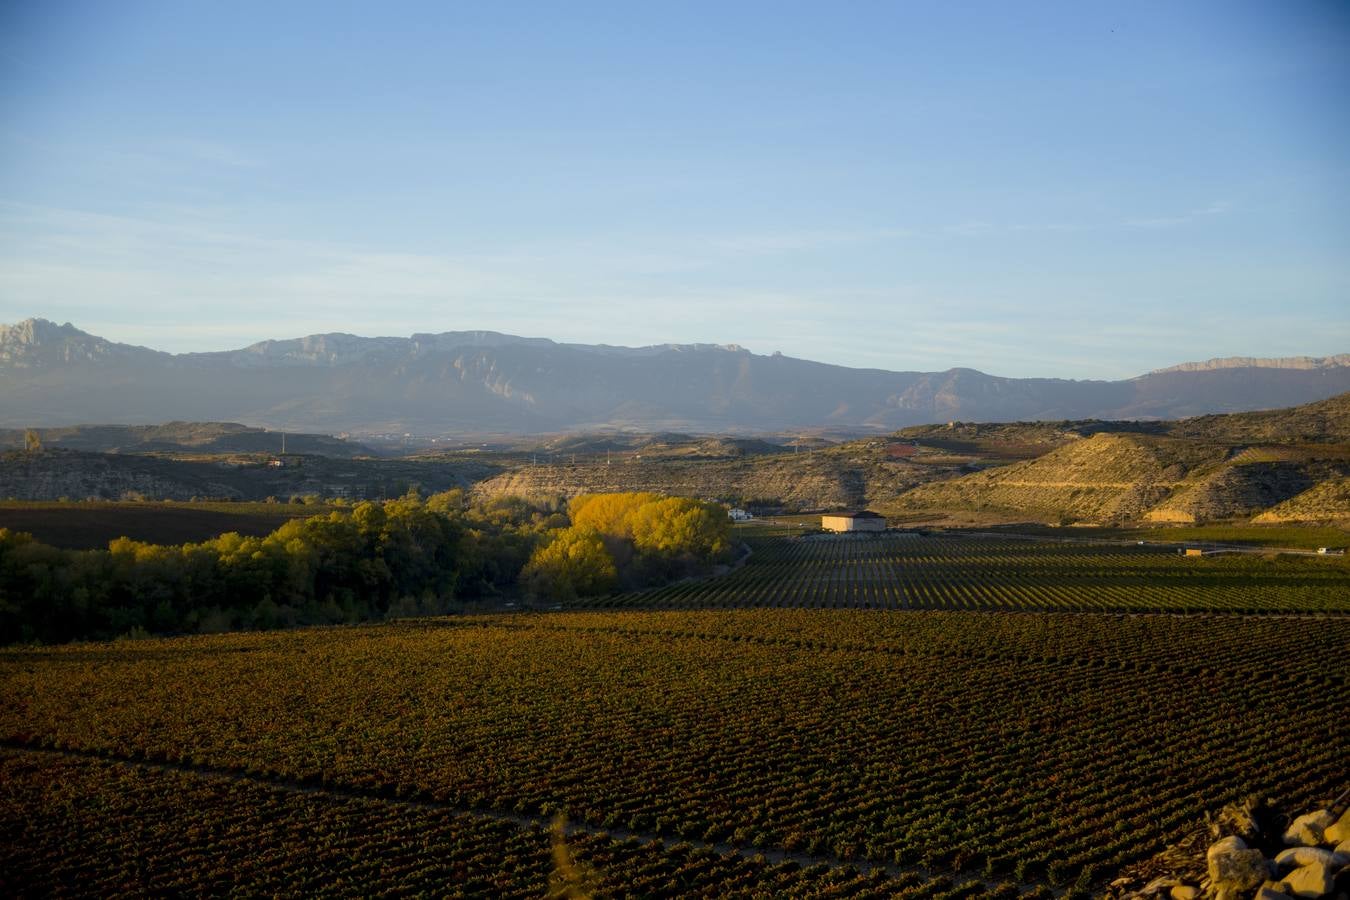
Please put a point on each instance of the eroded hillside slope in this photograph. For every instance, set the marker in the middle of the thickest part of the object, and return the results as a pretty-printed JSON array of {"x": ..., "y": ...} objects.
[
  {"x": 1281, "y": 465},
  {"x": 855, "y": 474},
  {"x": 1107, "y": 477},
  {"x": 1247, "y": 485},
  {"x": 1327, "y": 502}
]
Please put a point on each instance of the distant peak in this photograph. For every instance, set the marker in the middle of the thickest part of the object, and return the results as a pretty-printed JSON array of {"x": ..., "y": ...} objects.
[
  {"x": 38, "y": 342},
  {"x": 36, "y": 330},
  {"x": 1252, "y": 362}
]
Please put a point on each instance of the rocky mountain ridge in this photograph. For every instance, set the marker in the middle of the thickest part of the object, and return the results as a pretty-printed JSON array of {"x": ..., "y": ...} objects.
[
  {"x": 1253, "y": 362},
  {"x": 474, "y": 382},
  {"x": 37, "y": 343}
]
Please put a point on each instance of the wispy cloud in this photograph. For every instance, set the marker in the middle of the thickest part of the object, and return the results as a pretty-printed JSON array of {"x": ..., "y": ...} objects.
[{"x": 1173, "y": 221}]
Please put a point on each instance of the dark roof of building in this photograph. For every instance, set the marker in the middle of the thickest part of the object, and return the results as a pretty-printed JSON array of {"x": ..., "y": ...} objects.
[{"x": 856, "y": 514}]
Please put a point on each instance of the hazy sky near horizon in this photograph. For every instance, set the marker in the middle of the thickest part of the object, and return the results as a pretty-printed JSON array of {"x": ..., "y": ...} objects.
[{"x": 1062, "y": 189}]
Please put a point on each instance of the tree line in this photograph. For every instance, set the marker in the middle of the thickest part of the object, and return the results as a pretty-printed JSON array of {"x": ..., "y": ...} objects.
[{"x": 377, "y": 560}]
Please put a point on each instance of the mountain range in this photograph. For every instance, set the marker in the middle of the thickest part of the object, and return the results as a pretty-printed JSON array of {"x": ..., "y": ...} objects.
[{"x": 474, "y": 382}]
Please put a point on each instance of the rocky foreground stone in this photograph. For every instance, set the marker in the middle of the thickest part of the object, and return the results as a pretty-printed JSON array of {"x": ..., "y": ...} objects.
[{"x": 1242, "y": 861}]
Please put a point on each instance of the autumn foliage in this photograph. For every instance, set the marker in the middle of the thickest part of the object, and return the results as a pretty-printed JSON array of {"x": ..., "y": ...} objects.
[
  {"x": 376, "y": 560},
  {"x": 627, "y": 540}
]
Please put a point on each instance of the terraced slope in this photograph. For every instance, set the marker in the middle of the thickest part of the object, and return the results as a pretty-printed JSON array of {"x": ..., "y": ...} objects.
[
  {"x": 1104, "y": 478},
  {"x": 1115, "y": 477},
  {"x": 854, "y": 474}
]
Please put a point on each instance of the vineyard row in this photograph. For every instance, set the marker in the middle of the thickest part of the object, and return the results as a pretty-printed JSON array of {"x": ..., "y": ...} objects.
[
  {"x": 906, "y": 573},
  {"x": 108, "y": 826},
  {"x": 1009, "y": 767}
]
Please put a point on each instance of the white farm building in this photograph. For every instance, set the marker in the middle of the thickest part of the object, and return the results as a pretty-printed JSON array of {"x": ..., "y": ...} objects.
[{"x": 863, "y": 520}]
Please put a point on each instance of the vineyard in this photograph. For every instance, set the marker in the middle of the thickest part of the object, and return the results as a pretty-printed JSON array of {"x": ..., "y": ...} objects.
[
  {"x": 108, "y": 828},
  {"x": 910, "y": 571},
  {"x": 742, "y": 752}
]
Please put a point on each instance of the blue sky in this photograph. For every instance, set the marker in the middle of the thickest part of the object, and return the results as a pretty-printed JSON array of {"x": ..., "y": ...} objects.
[{"x": 1072, "y": 189}]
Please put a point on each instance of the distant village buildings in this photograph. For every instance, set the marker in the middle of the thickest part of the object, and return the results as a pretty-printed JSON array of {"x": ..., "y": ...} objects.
[
  {"x": 284, "y": 462},
  {"x": 737, "y": 514},
  {"x": 861, "y": 520}
]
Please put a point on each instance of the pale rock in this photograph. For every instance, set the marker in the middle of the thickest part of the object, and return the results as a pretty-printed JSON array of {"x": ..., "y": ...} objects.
[
  {"x": 1338, "y": 833},
  {"x": 1271, "y": 893},
  {"x": 1185, "y": 892},
  {"x": 1309, "y": 829},
  {"x": 1312, "y": 881},
  {"x": 1158, "y": 885},
  {"x": 1233, "y": 868},
  {"x": 1311, "y": 856}
]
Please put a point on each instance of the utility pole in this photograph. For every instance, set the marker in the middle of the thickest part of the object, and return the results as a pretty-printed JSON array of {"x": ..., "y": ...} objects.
[{"x": 283, "y": 443}]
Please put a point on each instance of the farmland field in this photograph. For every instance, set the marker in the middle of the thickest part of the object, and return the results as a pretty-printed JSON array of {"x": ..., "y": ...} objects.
[
  {"x": 111, "y": 828},
  {"x": 1304, "y": 537},
  {"x": 909, "y": 571},
  {"x": 861, "y": 752},
  {"x": 91, "y": 525}
]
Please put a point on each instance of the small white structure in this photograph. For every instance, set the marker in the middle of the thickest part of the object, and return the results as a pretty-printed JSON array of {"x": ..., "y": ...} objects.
[
  {"x": 737, "y": 514},
  {"x": 862, "y": 520}
]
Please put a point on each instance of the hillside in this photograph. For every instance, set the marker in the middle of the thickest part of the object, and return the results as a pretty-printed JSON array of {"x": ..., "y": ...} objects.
[
  {"x": 1244, "y": 487},
  {"x": 1104, "y": 478},
  {"x": 1323, "y": 421},
  {"x": 184, "y": 437},
  {"x": 853, "y": 474},
  {"x": 77, "y": 475},
  {"x": 664, "y": 445},
  {"x": 1326, "y": 502},
  {"x": 483, "y": 382},
  {"x": 1121, "y": 478},
  {"x": 1210, "y": 468}
]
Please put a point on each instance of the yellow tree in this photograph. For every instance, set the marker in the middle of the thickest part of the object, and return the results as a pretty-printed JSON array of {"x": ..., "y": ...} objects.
[{"x": 574, "y": 564}]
